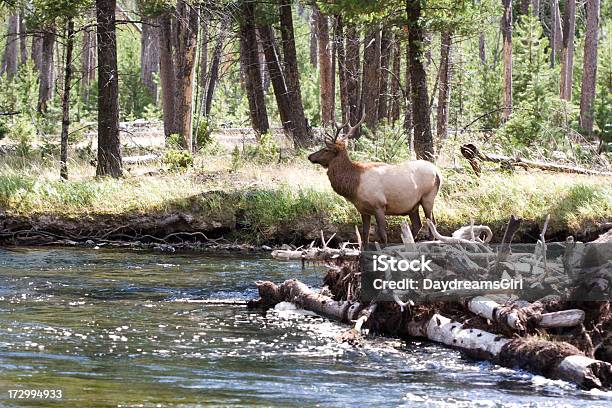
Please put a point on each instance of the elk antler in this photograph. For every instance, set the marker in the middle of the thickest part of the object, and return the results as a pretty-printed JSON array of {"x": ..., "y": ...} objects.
[
  {"x": 350, "y": 134},
  {"x": 332, "y": 139},
  {"x": 352, "y": 129}
]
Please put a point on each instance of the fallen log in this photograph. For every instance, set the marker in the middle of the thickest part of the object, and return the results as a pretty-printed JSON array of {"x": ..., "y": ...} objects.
[
  {"x": 316, "y": 254},
  {"x": 294, "y": 291},
  {"x": 472, "y": 154},
  {"x": 557, "y": 360},
  {"x": 517, "y": 318},
  {"x": 553, "y": 359},
  {"x": 323, "y": 253}
]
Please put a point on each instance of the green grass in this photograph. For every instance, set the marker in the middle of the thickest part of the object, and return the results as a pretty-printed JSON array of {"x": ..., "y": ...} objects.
[
  {"x": 271, "y": 199},
  {"x": 573, "y": 201}
]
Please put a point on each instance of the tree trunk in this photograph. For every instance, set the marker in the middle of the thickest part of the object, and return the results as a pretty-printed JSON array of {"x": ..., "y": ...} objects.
[
  {"x": 535, "y": 4},
  {"x": 556, "y": 35},
  {"x": 249, "y": 59},
  {"x": 66, "y": 99},
  {"x": 386, "y": 44},
  {"x": 408, "y": 97},
  {"x": 444, "y": 86},
  {"x": 109, "y": 147},
  {"x": 213, "y": 76},
  {"x": 423, "y": 141},
  {"x": 589, "y": 69},
  {"x": 525, "y": 6},
  {"x": 36, "y": 51},
  {"x": 187, "y": 27},
  {"x": 11, "y": 49},
  {"x": 506, "y": 25},
  {"x": 203, "y": 77},
  {"x": 46, "y": 80},
  {"x": 23, "y": 39},
  {"x": 265, "y": 75},
  {"x": 301, "y": 132},
  {"x": 88, "y": 62},
  {"x": 167, "y": 73},
  {"x": 567, "y": 52},
  {"x": 149, "y": 55},
  {"x": 370, "y": 84},
  {"x": 481, "y": 48},
  {"x": 352, "y": 73},
  {"x": 314, "y": 28},
  {"x": 325, "y": 67},
  {"x": 342, "y": 72},
  {"x": 276, "y": 76},
  {"x": 394, "y": 110}
]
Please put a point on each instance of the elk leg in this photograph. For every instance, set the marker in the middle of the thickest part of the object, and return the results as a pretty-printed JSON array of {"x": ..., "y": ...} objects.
[
  {"x": 415, "y": 220},
  {"x": 381, "y": 225},
  {"x": 365, "y": 220},
  {"x": 428, "y": 209}
]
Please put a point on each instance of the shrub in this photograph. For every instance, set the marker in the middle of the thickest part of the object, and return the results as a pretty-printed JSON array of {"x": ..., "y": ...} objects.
[
  {"x": 178, "y": 160},
  {"x": 203, "y": 133},
  {"x": 266, "y": 151}
]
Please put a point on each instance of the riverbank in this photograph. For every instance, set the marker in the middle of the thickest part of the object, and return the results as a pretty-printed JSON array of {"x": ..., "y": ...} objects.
[{"x": 269, "y": 202}]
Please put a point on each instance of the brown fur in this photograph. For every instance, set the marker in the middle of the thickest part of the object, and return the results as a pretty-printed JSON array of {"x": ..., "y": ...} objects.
[
  {"x": 379, "y": 189},
  {"x": 344, "y": 174}
]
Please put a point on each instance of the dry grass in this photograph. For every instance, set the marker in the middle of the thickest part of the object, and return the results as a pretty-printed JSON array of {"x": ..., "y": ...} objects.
[{"x": 288, "y": 193}]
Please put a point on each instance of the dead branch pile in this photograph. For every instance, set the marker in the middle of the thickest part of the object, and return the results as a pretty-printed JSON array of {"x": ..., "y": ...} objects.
[{"x": 552, "y": 334}]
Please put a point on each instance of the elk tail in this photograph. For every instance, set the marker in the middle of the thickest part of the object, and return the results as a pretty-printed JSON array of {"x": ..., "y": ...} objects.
[{"x": 438, "y": 181}]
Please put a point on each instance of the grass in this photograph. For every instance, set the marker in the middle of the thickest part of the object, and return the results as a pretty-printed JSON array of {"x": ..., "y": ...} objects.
[{"x": 271, "y": 199}]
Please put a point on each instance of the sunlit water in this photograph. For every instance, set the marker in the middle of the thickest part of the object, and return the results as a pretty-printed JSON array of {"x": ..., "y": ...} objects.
[{"x": 113, "y": 328}]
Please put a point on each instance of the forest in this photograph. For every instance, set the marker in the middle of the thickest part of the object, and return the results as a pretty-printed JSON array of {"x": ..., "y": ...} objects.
[
  {"x": 207, "y": 109},
  {"x": 220, "y": 203}
]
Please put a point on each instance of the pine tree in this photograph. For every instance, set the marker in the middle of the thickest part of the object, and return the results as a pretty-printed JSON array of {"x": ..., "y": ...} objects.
[{"x": 535, "y": 97}]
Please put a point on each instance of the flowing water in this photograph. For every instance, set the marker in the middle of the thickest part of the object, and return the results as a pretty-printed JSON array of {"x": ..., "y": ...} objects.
[{"x": 128, "y": 328}]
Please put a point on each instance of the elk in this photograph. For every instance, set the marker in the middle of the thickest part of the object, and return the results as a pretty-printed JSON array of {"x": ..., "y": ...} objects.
[{"x": 379, "y": 189}]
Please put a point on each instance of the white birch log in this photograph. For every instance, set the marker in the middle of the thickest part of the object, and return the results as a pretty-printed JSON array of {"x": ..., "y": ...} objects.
[
  {"x": 490, "y": 309},
  {"x": 443, "y": 330},
  {"x": 300, "y": 294},
  {"x": 584, "y": 371},
  {"x": 519, "y": 352},
  {"x": 563, "y": 318}
]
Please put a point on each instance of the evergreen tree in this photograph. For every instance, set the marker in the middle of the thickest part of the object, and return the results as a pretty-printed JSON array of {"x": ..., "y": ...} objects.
[{"x": 535, "y": 97}]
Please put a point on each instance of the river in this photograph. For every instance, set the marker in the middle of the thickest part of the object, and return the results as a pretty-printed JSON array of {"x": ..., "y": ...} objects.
[{"x": 128, "y": 328}]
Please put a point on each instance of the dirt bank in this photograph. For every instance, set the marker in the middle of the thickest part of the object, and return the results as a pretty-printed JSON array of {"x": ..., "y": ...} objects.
[{"x": 186, "y": 229}]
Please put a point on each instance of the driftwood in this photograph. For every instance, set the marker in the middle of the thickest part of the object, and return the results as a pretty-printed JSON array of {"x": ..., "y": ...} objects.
[
  {"x": 516, "y": 318},
  {"x": 316, "y": 254},
  {"x": 566, "y": 362},
  {"x": 323, "y": 253},
  {"x": 473, "y": 154},
  {"x": 294, "y": 291},
  {"x": 492, "y": 325},
  {"x": 604, "y": 238}
]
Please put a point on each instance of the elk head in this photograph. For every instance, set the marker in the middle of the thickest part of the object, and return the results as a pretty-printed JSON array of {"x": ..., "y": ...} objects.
[{"x": 335, "y": 144}]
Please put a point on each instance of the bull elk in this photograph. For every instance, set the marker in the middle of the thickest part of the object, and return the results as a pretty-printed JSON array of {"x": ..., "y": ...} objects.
[{"x": 379, "y": 189}]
